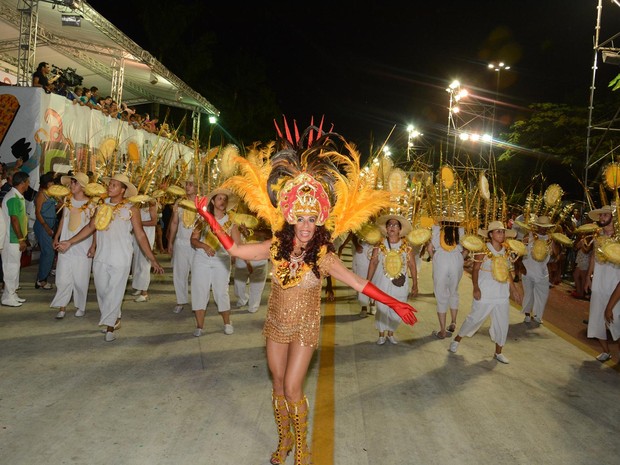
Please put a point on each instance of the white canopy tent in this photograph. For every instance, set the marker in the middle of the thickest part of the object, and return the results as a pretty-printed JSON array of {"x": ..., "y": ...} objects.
[{"x": 97, "y": 50}]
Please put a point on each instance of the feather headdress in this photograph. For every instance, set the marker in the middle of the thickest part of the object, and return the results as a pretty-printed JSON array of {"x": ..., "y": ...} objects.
[{"x": 320, "y": 170}]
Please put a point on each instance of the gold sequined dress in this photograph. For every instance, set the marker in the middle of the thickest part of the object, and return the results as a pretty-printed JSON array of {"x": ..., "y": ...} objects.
[{"x": 294, "y": 307}]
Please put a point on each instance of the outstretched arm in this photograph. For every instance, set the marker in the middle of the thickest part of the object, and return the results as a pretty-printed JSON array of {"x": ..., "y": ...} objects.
[{"x": 342, "y": 273}]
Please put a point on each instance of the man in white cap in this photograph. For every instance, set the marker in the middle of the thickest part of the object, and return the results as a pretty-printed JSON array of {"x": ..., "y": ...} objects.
[
  {"x": 180, "y": 230},
  {"x": 73, "y": 267},
  {"x": 603, "y": 277},
  {"x": 112, "y": 261}
]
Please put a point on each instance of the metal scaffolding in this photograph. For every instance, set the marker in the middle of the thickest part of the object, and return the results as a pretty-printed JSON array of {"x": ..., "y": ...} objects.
[{"x": 28, "y": 21}]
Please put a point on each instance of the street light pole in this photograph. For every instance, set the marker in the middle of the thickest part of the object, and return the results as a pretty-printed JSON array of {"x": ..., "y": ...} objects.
[
  {"x": 412, "y": 133},
  {"x": 497, "y": 68}
]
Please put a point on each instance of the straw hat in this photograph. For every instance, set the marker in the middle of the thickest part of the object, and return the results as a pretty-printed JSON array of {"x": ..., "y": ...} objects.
[
  {"x": 233, "y": 200},
  {"x": 543, "y": 222},
  {"x": 130, "y": 190},
  {"x": 494, "y": 226},
  {"x": 595, "y": 214},
  {"x": 81, "y": 178},
  {"x": 405, "y": 225}
]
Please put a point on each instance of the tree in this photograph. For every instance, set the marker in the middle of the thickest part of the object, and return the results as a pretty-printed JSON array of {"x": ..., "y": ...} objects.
[{"x": 549, "y": 146}]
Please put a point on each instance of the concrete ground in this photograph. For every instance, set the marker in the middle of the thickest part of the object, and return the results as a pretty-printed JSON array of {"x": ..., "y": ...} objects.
[{"x": 158, "y": 395}]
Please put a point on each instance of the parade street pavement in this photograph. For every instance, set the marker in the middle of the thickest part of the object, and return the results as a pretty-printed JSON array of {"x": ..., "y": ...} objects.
[{"x": 158, "y": 395}]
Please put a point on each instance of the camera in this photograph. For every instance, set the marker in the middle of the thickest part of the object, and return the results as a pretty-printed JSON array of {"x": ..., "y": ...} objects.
[{"x": 68, "y": 76}]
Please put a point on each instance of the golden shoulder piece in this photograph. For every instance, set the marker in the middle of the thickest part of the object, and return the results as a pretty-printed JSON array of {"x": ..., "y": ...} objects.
[
  {"x": 188, "y": 205},
  {"x": 370, "y": 233},
  {"x": 141, "y": 198},
  {"x": 94, "y": 189},
  {"x": 562, "y": 239},
  {"x": 472, "y": 242},
  {"x": 157, "y": 193},
  {"x": 612, "y": 175},
  {"x": 500, "y": 268},
  {"x": 587, "y": 228},
  {"x": 553, "y": 194},
  {"x": 418, "y": 236},
  {"x": 523, "y": 225},
  {"x": 611, "y": 251},
  {"x": 447, "y": 177},
  {"x": 58, "y": 191},
  {"x": 175, "y": 190},
  {"x": 516, "y": 246},
  {"x": 483, "y": 185}
]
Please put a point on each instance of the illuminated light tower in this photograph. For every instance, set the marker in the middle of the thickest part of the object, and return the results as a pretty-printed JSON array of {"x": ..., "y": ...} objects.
[
  {"x": 456, "y": 95},
  {"x": 496, "y": 68},
  {"x": 412, "y": 133}
]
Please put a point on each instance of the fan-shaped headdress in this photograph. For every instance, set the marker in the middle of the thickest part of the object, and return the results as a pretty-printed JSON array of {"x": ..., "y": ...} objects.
[{"x": 314, "y": 173}]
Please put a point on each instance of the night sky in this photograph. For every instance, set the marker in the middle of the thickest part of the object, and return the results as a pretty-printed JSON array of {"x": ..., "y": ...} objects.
[{"x": 369, "y": 69}]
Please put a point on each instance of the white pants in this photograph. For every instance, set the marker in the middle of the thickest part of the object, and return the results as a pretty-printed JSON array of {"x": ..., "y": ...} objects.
[
  {"x": 498, "y": 309},
  {"x": 257, "y": 284},
  {"x": 141, "y": 267},
  {"x": 535, "y": 295},
  {"x": 110, "y": 283},
  {"x": 181, "y": 265},
  {"x": 72, "y": 278},
  {"x": 11, "y": 265},
  {"x": 210, "y": 273}
]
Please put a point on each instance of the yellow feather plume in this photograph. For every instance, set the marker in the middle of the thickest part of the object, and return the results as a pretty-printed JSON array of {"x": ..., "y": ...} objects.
[
  {"x": 251, "y": 186},
  {"x": 356, "y": 200}
]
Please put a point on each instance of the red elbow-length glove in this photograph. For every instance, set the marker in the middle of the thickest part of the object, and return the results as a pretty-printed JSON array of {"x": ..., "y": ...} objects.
[
  {"x": 201, "y": 204},
  {"x": 404, "y": 310}
]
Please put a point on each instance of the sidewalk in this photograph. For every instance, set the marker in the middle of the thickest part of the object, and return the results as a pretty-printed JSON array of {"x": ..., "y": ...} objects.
[{"x": 158, "y": 395}]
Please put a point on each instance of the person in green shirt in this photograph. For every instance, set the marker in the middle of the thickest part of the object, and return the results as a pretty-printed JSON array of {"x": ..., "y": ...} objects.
[{"x": 15, "y": 238}]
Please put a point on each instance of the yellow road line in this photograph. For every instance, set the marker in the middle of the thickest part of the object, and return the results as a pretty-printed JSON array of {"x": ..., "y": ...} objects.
[{"x": 323, "y": 431}]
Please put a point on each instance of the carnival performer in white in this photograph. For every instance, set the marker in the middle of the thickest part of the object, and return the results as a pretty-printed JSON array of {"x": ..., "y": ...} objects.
[
  {"x": 253, "y": 271},
  {"x": 211, "y": 264},
  {"x": 448, "y": 257},
  {"x": 603, "y": 277},
  {"x": 73, "y": 268},
  {"x": 114, "y": 221},
  {"x": 141, "y": 267},
  {"x": 535, "y": 279},
  {"x": 493, "y": 286},
  {"x": 180, "y": 230},
  {"x": 360, "y": 261},
  {"x": 393, "y": 257}
]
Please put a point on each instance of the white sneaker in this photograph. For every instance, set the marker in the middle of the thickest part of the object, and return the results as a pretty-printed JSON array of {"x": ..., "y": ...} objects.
[
  {"x": 240, "y": 304},
  {"x": 20, "y": 300},
  {"x": 253, "y": 310},
  {"x": 178, "y": 309},
  {"x": 109, "y": 336},
  {"x": 141, "y": 298},
  {"x": 60, "y": 315},
  {"x": 228, "y": 329},
  {"x": 136, "y": 292},
  {"x": 198, "y": 332},
  {"x": 501, "y": 358},
  {"x": 454, "y": 345},
  {"x": 603, "y": 357},
  {"x": 392, "y": 339},
  {"x": 381, "y": 341},
  {"x": 527, "y": 319},
  {"x": 11, "y": 303},
  {"x": 537, "y": 320},
  {"x": 79, "y": 312}
]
